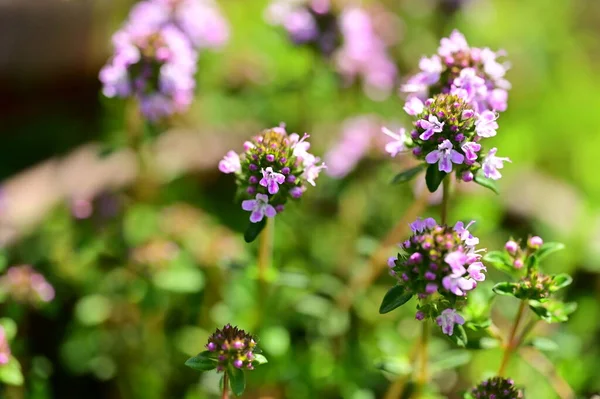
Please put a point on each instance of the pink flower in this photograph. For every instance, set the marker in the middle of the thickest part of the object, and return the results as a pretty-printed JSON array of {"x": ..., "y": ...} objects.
[
  {"x": 445, "y": 155},
  {"x": 458, "y": 285},
  {"x": 413, "y": 106},
  {"x": 453, "y": 44},
  {"x": 312, "y": 172},
  {"x": 475, "y": 271},
  {"x": 259, "y": 207},
  {"x": 431, "y": 126},
  {"x": 399, "y": 143},
  {"x": 230, "y": 163},
  {"x": 486, "y": 124},
  {"x": 470, "y": 149},
  {"x": 492, "y": 163},
  {"x": 4, "y": 348},
  {"x": 271, "y": 180},
  {"x": 419, "y": 225},
  {"x": 448, "y": 319},
  {"x": 465, "y": 235}
]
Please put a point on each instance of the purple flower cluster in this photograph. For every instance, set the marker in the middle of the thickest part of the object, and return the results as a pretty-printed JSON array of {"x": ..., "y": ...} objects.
[
  {"x": 473, "y": 73},
  {"x": 306, "y": 22},
  {"x": 364, "y": 54},
  {"x": 4, "y": 347},
  {"x": 448, "y": 132},
  {"x": 25, "y": 285},
  {"x": 232, "y": 346},
  {"x": 274, "y": 167},
  {"x": 441, "y": 266},
  {"x": 155, "y": 54},
  {"x": 497, "y": 388}
]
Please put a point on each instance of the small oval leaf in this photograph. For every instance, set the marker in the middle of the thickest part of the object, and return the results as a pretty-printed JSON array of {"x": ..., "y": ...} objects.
[
  {"x": 505, "y": 288},
  {"x": 254, "y": 229},
  {"x": 434, "y": 177},
  {"x": 548, "y": 248},
  {"x": 500, "y": 260},
  {"x": 560, "y": 281},
  {"x": 459, "y": 336},
  {"x": 408, "y": 174},
  {"x": 394, "y": 298},
  {"x": 259, "y": 359},
  {"x": 237, "y": 380},
  {"x": 202, "y": 362},
  {"x": 485, "y": 182}
]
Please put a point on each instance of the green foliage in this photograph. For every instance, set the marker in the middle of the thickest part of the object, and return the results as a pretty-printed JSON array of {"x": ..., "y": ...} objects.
[
  {"x": 500, "y": 260},
  {"x": 204, "y": 361},
  {"x": 483, "y": 181},
  {"x": 553, "y": 311},
  {"x": 459, "y": 336},
  {"x": 408, "y": 174},
  {"x": 506, "y": 288},
  {"x": 434, "y": 177},
  {"x": 394, "y": 298},
  {"x": 237, "y": 380},
  {"x": 11, "y": 373},
  {"x": 548, "y": 248},
  {"x": 254, "y": 229}
]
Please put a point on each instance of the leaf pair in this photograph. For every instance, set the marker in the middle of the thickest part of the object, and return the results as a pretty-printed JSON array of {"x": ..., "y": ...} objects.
[{"x": 434, "y": 177}]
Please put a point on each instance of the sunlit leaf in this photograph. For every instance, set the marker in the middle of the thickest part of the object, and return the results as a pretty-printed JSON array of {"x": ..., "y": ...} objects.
[
  {"x": 202, "y": 362},
  {"x": 500, "y": 260},
  {"x": 505, "y": 288},
  {"x": 394, "y": 298},
  {"x": 560, "y": 281},
  {"x": 485, "y": 182},
  {"x": 548, "y": 248}
]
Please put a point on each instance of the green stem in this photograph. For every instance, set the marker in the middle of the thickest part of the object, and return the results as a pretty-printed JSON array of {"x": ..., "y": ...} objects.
[
  {"x": 511, "y": 344},
  {"x": 265, "y": 251},
  {"x": 225, "y": 394},
  {"x": 445, "y": 199},
  {"x": 423, "y": 375}
]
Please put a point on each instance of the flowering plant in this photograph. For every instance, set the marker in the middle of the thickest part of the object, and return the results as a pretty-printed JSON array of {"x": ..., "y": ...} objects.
[{"x": 273, "y": 168}]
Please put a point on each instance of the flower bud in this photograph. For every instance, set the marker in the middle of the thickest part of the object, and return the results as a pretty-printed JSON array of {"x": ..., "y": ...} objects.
[
  {"x": 511, "y": 247},
  {"x": 535, "y": 242}
]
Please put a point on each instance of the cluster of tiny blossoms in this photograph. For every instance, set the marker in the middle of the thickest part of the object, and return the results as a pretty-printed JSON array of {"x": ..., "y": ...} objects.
[
  {"x": 309, "y": 22},
  {"x": 534, "y": 284},
  {"x": 155, "y": 53},
  {"x": 4, "y": 348},
  {"x": 470, "y": 72},
  {"x": 497, "y": 388},
  {"x": 24, "y": 284},
  {"x": 274, "y": 167},
  {"x": 232, "y": 346},
  {"x": 441, "y": 266},
  {"x": 350, "y": 34},
  {"x": 448, "y": 132}
]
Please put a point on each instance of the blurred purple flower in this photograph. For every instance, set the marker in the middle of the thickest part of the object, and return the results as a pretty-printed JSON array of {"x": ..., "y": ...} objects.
[
  {"x": 448, "y": 319},
  {"x": 4, "y": 347},
  {"x": 492, "y": 163},
  {"x": 230, "y": 163},
  {"x": 24, "y": 284}
]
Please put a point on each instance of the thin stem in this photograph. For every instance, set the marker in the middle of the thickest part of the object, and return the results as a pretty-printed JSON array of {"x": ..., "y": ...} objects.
[
  {"x": 396, "y": 389},
  {"x": 265, "y": 251},
  {"x": 545, "y": 367},
  {"x": 445, "y": 199},
  {"x": 511, "y": 344},
  {"x": 423, "y": 374},
  {"x": 225, "y": 394}
]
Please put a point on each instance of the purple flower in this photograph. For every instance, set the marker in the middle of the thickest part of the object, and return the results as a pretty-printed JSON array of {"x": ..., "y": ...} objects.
[
  {"x": 354, "y": 144},
  {"x": 473, "y": 84},
  {"x": 492, "y": 163},
  {"x": 392, "y": 261},
  {"x": 470, "y": 149},
  {"x": 419, "y": 315},
  {"x": 458, "y": 285},
  {"x": 259, "y": 207},
  {"x": 465, "y": 235},
  {"x": 498, "y": 99},
  {"x": 296, "y": 192},
  {"x": 230, "y": 163},
  {"x": 453, "y": 44},
  {"x": 535, "y": 242},
  {"x": 419, "y": 225},
  {"x": 431, "y": 69},
  {"x": 312, "y": 172},
  {"x": 486, "y": 124},
  {"x": 431, "y": 126},
  {"x": 399, "y": 143},
  {"x": 271, "y": 180},
  {"x": 445, "y": 155},
  {"x": 413, "y": 106},
  {"x": 475, "y": 271},
  {"x": 448, "y": 319},
  {"x": 511, "y": 247}
]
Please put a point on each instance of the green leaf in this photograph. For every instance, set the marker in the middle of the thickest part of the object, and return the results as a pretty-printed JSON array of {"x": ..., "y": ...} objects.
[
  {"x": 505, "y": 288},
  {"x": 10, "y": 328},
  {"x": 202, "y": 362},
  {"x": 560, "y": 281},
  {"x": 10, "y": 373},
  {"x": 553, "y": 311},
  {"x": 434, "y": 177},
  {"x": 259, "y": 359},
  {"x": 485, "y": 182},
  {"x": 254, "y": 230},
  {"x": 408, "y": 174},
  {"x": 237, "y": 380},
  {"x": 468, "y": 395},
  {"x": 476, "y": 325},
  {"x": 395, "y": 297},
  {"x": 544, "y": 344},
  {"x": 459, "y": 336},
  {"x": 183, "y": 280},
  {"x": 531, "y": 262},
  {"x": 450, "y": 360},
  {"x": 500, "y": 260},
  {"x": 140, "y": 224},
  {"x": 548, "y": 248}
]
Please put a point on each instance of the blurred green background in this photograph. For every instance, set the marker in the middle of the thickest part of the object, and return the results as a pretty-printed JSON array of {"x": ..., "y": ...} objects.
[{"x": 143, "y": 281}]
